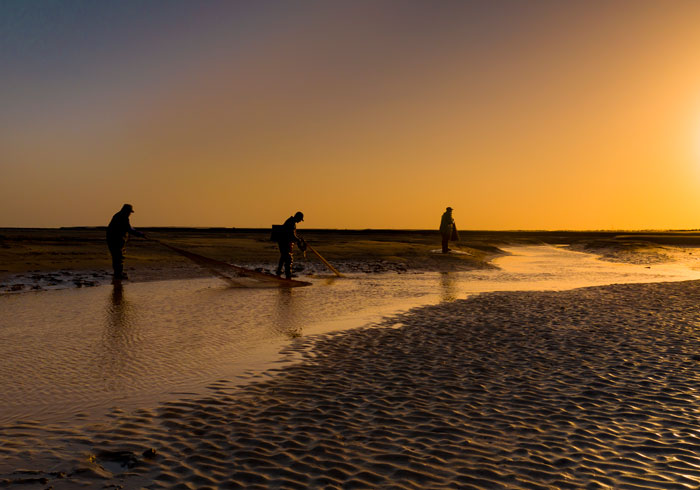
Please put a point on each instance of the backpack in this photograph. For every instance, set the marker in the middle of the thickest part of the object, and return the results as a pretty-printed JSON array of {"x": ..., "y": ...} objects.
[{"x": 277, "y": 233}]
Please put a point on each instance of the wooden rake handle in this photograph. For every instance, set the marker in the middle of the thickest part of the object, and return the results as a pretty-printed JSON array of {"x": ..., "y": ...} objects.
[{"x": 335, "y": 271}]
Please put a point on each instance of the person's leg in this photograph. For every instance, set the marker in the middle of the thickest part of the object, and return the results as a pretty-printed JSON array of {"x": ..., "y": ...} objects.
[
  {"x": 122, "y": 253},
  {"x": 445, "y": 241},
  {"x": 289, "y": 259},
  {"x": 282, "y": 247},
  {"x": 117, "y": 252}
]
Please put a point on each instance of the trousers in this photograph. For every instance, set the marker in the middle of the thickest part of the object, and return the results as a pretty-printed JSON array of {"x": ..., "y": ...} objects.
[
  {"x": 445, "y": 241},
  {"x": 286, "y": 258},
  {"x": 117, "y": 250}
]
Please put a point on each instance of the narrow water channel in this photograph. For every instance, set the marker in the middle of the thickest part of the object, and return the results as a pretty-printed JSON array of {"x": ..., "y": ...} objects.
[{"x": 82, "y": 351}]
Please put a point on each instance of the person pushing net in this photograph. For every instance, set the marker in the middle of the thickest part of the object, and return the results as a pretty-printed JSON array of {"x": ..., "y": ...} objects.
[{"x": 286, "y": 236}]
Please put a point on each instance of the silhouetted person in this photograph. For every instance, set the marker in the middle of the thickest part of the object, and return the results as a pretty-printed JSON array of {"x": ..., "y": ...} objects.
[
  {"x": 285, "y": 240},
  {"x": 118, "y": 232},
  {"x": 447, "y": 228}
]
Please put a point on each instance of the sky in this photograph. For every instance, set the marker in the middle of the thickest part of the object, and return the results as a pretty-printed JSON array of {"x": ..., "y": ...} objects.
[{"x": 538, "y": 115}]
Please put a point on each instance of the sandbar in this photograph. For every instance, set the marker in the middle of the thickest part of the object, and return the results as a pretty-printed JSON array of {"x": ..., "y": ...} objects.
[{"x": 588, "y": 388}]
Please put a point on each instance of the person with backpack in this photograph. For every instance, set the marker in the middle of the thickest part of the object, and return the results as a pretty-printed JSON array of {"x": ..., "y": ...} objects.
[{"x": 285, "y": 236}]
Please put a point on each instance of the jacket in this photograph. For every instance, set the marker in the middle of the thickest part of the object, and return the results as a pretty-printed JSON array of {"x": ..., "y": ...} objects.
[{"x": 447, "y": 223}]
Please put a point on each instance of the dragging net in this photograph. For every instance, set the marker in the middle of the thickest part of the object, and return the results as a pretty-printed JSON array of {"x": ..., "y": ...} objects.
[{"x": 236, "y": 275}]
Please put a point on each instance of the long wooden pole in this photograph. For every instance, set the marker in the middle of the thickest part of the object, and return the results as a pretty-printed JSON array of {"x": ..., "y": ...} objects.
[{"x": 335, "y": 271}]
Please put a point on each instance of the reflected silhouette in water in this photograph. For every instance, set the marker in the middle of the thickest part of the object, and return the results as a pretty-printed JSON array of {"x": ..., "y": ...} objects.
[
  {"x": 288, "y": 321},
  {"x": 117, "y": 311},
  {"x": 117, "y": 338},
  {"x": 117, "y": 293},
  {"x": 448, "y": 286}
]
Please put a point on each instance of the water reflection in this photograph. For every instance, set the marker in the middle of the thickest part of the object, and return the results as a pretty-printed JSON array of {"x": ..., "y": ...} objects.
[
  {"x": 117, "y": 338},
  {"x": 117, "y": 294},
  {"x": 330, "y": 280},
  {"x": 119, "y": 317},
  {"x": 288, "y": 320},
  {"x": 448, "y": 286},
  {"x": 145, "y": 340}
]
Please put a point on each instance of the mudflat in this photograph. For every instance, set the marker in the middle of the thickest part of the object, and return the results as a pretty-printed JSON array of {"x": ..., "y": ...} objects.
[
  {"x": 33, "y": 259},
  {"x": 23, "y": 250},
  {"x": 587, "y": 388}
]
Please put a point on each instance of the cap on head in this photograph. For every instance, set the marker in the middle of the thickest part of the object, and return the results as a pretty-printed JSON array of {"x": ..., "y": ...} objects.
[
  {"x": 127, "y": 208},
  {"x": 449, "y": 208},
  {"x": 299, "y": 216}
]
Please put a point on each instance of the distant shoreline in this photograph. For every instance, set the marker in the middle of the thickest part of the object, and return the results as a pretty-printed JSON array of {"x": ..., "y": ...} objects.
[{"x": 370, "y": 230}]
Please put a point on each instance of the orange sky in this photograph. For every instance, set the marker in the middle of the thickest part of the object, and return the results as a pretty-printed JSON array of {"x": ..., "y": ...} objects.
[{"x": 532, "y": 115}]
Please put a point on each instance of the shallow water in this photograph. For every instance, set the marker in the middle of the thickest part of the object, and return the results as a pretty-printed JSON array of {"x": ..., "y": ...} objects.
[{"x": 78, "y": 352}]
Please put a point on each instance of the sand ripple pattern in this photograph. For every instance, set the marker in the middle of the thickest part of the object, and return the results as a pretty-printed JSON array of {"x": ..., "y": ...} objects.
[{"x": 591, "y": 388}]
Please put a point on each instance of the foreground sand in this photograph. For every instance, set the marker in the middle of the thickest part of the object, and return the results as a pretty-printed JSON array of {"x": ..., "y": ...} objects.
[{"x": 590, "y": 388}]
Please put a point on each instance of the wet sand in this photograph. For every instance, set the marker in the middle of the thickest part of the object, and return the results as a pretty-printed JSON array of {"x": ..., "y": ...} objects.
[
  {"x": 34, "y": 259},
  {"x": 39, "y": 259},
  {"x": 589, "y": 388},
  {"x": 134, "y": 345}
]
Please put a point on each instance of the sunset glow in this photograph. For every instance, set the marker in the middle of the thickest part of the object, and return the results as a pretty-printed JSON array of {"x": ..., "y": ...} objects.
[{"x": 536, "y": 115}]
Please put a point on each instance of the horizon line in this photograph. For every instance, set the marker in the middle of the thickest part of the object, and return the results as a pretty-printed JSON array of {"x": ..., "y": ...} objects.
[{"x": 467, "y": 230}]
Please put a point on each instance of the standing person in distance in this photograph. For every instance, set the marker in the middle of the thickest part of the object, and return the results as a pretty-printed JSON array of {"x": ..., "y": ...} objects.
[
  {"x": 285, "y": 241},
  {"x": 447, "y": 228},
  {"x": 118, "y": 232}
]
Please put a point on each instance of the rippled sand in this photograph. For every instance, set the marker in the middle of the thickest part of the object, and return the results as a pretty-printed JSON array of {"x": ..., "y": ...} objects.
[{"x": 590, "y": 388}]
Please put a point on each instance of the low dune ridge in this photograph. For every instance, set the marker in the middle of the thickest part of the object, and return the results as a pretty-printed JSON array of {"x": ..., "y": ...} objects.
[{"x": 588, "y": 388}]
